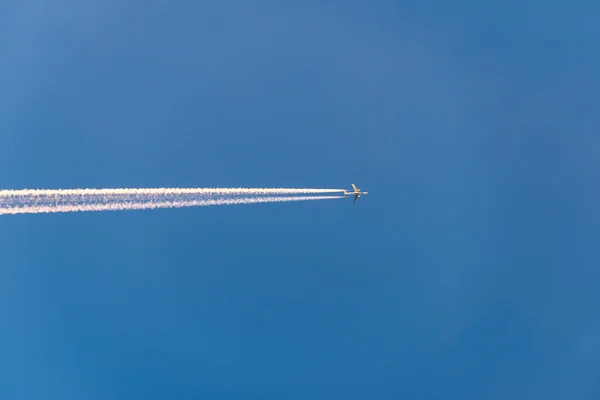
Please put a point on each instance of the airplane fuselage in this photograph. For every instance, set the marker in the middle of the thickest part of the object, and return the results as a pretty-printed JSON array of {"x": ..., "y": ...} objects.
[{"x": 346, "y": 193}]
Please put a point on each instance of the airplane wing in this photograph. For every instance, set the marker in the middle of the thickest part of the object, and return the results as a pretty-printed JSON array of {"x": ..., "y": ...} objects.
[
  {"x": 355, "y": 198},
  {"x": 354, "y": 187}
]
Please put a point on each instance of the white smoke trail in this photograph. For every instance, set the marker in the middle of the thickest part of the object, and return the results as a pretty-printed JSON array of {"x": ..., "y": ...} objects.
[
  {"x": 163, "y": 191},
  {"x": 75, "y": 205}
]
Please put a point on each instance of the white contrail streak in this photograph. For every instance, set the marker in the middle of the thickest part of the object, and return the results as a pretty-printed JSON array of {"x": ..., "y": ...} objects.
[
  {"x": 163, "y": 191},
  {"x": 77, "y": 204}
]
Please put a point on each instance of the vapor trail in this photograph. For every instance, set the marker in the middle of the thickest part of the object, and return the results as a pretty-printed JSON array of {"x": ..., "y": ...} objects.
[
  {"x": 163, "y": 191},
  {"x": 75, "y": 204}
]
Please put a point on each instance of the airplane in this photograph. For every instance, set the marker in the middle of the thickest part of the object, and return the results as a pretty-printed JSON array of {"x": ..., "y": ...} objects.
[{"x": 356, "y": 193}]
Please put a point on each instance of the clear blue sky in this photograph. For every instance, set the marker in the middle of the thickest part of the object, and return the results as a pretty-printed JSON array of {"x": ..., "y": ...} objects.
[{"x": 469, "y": 272}]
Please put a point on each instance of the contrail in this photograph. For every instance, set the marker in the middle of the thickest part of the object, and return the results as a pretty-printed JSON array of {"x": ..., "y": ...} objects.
[
  {"x": 164, "y": 191},
  {"x": 75, "y": 204}
]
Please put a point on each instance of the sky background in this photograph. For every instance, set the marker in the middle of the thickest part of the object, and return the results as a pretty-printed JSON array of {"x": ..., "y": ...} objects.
[{"x": 470, "y": 271}]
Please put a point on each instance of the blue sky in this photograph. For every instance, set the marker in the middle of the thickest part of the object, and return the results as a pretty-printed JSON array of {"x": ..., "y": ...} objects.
[{"x": 469, "y": 272}]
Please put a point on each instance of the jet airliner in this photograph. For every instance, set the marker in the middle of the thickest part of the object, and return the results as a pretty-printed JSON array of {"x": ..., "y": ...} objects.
[{"x": 357, "y": 193}]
